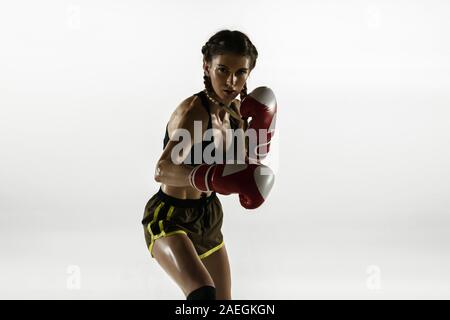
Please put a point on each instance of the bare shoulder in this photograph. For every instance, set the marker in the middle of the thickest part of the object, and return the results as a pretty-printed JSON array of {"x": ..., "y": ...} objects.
[
  {"x": 192, "y": 107},
  {"x": 189, "y": 109}
]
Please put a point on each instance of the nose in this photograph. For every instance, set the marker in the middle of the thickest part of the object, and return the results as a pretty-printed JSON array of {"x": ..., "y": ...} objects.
[{"x": 231, "y": 80}]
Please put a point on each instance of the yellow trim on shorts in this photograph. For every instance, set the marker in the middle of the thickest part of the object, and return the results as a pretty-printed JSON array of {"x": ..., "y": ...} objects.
[
  {"x": 161, "y": 227},
  {"x": 210, "y": 252},
  {"x": 155, "y": 217},
  {"x": 169, "y": 214},
  {"x": 150, "y": 247},
  {"x": 163, "y": 234}
]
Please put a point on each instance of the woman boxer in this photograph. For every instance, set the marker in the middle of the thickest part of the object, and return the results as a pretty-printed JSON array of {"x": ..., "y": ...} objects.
[{"x": 182, "y": 221}]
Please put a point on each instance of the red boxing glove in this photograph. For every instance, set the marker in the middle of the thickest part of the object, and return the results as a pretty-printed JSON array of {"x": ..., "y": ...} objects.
[
  {"x": 252, "y": 182},
  {"x": 261, "y": 106}
]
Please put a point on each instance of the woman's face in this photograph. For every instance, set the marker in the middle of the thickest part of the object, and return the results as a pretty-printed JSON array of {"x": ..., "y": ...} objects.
[{"x": 228, "y": 73}]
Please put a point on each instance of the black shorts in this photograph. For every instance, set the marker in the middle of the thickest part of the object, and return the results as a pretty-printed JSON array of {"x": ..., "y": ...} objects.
[{"x": 199, "y": 219}]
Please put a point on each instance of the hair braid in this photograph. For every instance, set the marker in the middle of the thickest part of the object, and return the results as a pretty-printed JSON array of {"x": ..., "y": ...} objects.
[
  {"x": 243, "y": 92},
  {"x": 207, "y": 83}
]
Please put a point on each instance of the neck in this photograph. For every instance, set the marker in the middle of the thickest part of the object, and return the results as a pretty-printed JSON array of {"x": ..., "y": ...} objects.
[
  {"x": 220, "y": 109},
  {"x": 212, "y": 97}
]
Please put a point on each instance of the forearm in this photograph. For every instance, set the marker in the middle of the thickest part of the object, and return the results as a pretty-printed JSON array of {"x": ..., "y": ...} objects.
[{"x": 172, "y": 174}]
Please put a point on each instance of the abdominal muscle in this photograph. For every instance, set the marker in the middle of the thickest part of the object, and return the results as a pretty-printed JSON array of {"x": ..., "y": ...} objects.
[{"x": 182, "y": 192}]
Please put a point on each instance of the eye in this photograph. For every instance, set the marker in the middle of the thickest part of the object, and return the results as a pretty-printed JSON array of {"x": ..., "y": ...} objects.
[
  {"x": 222, "y": 69},
  {"x": 242, "y": 72}
]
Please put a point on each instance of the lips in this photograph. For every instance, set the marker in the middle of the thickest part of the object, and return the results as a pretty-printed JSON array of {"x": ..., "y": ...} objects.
[{"x": 229, "y": 92}]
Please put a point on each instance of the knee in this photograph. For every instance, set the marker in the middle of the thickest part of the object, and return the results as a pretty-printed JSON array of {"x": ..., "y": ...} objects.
[{"x": 203, "y": 293}]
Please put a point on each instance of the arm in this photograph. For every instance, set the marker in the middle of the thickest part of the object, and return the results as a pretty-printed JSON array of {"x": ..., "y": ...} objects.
[
  {"x": 169, "y": 168},
  {"x": 252, "y": 182}
]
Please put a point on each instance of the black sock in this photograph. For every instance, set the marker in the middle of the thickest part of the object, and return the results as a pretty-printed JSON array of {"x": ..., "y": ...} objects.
[{"x": 203, "y": 293}]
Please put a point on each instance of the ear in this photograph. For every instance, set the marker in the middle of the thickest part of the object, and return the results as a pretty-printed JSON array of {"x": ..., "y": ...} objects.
[{"x": 206, "y": 67}]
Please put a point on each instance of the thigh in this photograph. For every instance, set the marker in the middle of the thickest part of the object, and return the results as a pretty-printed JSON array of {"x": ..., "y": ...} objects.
[
  {"x": 218, "y": 267},
  {"x": 177, "y": 256}
]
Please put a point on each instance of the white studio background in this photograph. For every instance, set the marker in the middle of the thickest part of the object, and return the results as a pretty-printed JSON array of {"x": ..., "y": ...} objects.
[{"x": 360, "y": 208}]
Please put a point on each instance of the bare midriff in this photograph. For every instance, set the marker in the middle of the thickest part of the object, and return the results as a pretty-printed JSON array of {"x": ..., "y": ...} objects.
[{"x": 182, "y": 192}]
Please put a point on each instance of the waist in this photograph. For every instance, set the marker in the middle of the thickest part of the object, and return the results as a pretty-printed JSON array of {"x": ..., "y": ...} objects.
[{"x": 184, "y": 203}]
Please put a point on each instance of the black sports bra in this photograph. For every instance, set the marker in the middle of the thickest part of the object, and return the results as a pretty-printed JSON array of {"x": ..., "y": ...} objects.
[{"x": 190, "y": 158}]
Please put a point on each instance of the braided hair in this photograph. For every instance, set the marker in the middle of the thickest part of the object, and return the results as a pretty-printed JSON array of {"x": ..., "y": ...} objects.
[{"x": 227, "y": 41}]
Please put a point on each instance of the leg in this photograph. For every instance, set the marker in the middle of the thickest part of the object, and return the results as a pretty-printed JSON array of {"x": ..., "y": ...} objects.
[
  {"x": 218, "y": 267},
  {"x": 177, "y": 256}
]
